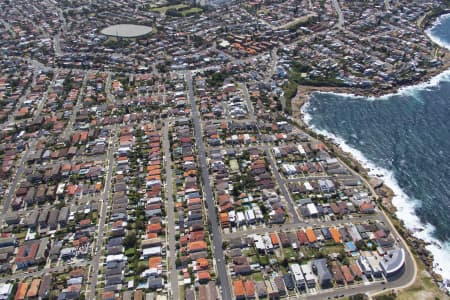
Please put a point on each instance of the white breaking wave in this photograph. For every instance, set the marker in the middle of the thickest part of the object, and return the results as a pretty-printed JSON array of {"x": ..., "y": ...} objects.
[
  {"x": 403, "y": 91},
  {"x": 412, "y": 89},
  {"x": 404, "y": 204},
  {"x": 434, "y": 38}
]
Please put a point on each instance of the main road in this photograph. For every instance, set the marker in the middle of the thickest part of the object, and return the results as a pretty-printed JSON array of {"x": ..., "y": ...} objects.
[
  {"x": 212, "y": 216},
  {"x": 281, "y": 184},
  {"x": 13, "y": 184}
]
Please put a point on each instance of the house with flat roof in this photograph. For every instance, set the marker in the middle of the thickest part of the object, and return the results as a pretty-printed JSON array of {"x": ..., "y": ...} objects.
[
  {"x": 310, "y": 278},
  {"x": 298, "y": 276},
  {"x": 393, "y": 263},
  {"x": 321, "y": 269},
  {"x": 5, "y": 290}
]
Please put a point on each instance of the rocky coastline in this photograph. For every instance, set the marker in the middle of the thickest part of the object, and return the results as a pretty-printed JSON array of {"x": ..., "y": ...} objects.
[{"x": 384, "y": 193}]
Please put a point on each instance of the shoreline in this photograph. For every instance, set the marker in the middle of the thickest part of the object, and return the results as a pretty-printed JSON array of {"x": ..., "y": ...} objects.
[
  {"x": 384, "y": 196},
  {"x": 384, "y": 193},
  {"x": 304, "y": 91}
]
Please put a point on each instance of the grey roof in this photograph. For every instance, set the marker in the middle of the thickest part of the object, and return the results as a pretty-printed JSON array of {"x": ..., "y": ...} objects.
[
  {"x": 32, "y": 218},
  {"x": 7, "y": 250},
  {"x": 4, "y": 242},
  {"x": 43, "y": 246},
  {"x": 114, "y": 279},
  {"x": 63, "y": 214},
  {"x": 44, "y": 288},
  {"x": 12, "y": 218},
  {"x": 126, "y": 295},
  {"x": 393, "y": 261},
  {"x": 76, "y": 280},
  {"x": 43, "y": 215},
  {"x": 53, "y": 217},
  {"x": 190, "y": 294},
  {"x": 260, "y": 288},
  {"x": 322, "y": 269},
  {"x": 155, "y": 283}
]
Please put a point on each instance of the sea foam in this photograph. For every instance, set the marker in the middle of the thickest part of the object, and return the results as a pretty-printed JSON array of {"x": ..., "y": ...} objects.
[
  {"x": 405, "y": 205},
  {"x": 410, "y": 90},
  {"x": 439, "y": 21}
]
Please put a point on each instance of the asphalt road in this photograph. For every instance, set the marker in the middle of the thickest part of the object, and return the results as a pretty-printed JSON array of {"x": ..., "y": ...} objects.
[
  {"x": 287, "y": 197},
  {"x": 69, "y": 128},
  {"x": 410, "y": 264},
  {"x": 12, "y": 186},
  {"x": 280, "y": 181},
  {"x": 104, "y": 209},
  {"x": 249, "y": 102},
  {"x": 22, "y": 276},
  {"x": 301, "y": 224},
  {"x": 31, "y": 145},
  {"x": 212, "y": 216},
  {"x": 338, "y": 10},
  {"x": 174, "y": 291}
]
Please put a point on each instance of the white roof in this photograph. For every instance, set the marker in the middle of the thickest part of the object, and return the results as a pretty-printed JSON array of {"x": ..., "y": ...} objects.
[
  {"x": 151, "y": 251},
  {"x": 312, "y": 208},
  {"x": 307, "y": 271},
  {"x": 259, "y": 242},
  {"x": 393, "y": 261},
  {"x": 301, "y": 150},
  {"x": 297, "y": 272},
  {"x": 5, "y": 290},
  {"x": 224, "y": 44},
  {"x": 240, "y": 216},
  {"x": 308, "y": 186},
  {"x": 118, "y": 257},
  {"x": 250, "y": 214}
]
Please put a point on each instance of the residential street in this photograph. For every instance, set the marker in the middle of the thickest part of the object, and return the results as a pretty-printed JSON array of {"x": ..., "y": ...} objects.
[
  {"x": 209, "y": 196},
  {"x": 174, "y": 290},
  {"x": 104, "y": 201}
]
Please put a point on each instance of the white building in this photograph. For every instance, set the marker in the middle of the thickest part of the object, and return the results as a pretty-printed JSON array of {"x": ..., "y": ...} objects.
[
  {"x": 5, "y": 290},
  {"x": 310, "y": 278},
  {"x": 308, "y": 186},
  {"x": 259, "y": 243},
  {"x": 250, "y": 216},
  {"x": 298, "y": 276},
  {"x": 240, "y": 218},
  {"x": 312, "y": 209},
  {"x": 364, "y": 265},
  {"x": 153, "y": 251},
  {"x": 301, "y": 150},
  {"x": 393, "y": 262}
]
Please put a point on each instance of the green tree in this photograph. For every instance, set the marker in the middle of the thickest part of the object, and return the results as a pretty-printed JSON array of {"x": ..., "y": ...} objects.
[{"x": 130, "y": 240}]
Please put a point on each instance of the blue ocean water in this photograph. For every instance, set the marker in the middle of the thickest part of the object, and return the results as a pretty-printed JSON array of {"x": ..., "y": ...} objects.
[{"x": 407, "y": 136}]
